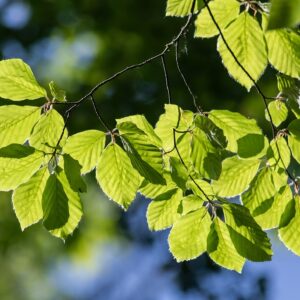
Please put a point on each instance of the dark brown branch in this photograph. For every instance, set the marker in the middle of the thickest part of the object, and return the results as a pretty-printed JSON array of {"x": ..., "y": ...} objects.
[{"x": 98, "y": 114}]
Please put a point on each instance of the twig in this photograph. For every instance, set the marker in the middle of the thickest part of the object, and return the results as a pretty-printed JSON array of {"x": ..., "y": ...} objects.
[
  {"x": 199, "y": 109},
  {"x": 98, "y": 115},
  {"x": 166, "y": 75}
]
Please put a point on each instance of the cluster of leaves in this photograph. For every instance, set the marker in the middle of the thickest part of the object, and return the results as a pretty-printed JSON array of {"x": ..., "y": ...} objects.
[{"x": 193, "y": 166}]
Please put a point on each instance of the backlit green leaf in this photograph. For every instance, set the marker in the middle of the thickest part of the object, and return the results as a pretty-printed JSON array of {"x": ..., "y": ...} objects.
[
  {"x": 279, "y": 112},
  {"x": 116, "y": 176},
  {"x": 284, "y": 51},
  {"x": 236, "y": 176},
  {"x": 27, "y": 199},
  {"x": 57, "y": 93},
  {"x": 86, "y": 147},
  {"x": 221, "y": 249},
  {"x": 18, "y": 82},
  {"x": 180, "y": 8},
  {"x": 224, "y": 11},
  {"x": 16, "y": 123},
  {"x": 163, "y": 210},
  {"x": 188, "y": 237},
  {"x": 247, "y": 42}
]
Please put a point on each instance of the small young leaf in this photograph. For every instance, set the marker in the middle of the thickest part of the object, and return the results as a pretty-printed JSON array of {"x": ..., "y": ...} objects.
[
  {"x": 224, "y": 12},
  {"x": 57, "y": 93},
  {"x": 247, "y": 42},
  {"x": 86, "y": 147},
  {"x": 191, "y": 203},
  {"x": 27, "y": 199},
  {"x": 188, "y": 237},
  {"x": 18, "y": 82},
  {"x": 279, "y": 155},
  {"x": 279, "y": 112},
  {"x": 116, "y": 176},
  {"x": 162, "y": 212}
]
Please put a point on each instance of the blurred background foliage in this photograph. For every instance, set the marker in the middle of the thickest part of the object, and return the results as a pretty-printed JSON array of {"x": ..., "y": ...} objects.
[{"x": 113, "y": 255}]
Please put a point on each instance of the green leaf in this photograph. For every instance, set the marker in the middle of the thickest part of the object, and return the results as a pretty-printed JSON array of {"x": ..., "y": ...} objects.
[
  {"x": 234, "y": 126},
  {"x": 247, "y": 236},
  {"x": 57, "y": 93},
  {"x": 179, "y": 174},
  {"x": 199, "y": 187},
  {"x": 188, "y": 237},
  {"x": 267, "y": 197},
  {"x": 180, "y": 8},
  {"x": 18, "y": 163},
  {"x": 151, "y": 190},
  {"x": 284, "y": 51},
  {"x": 252, "y": 146},
  {"x": 247, "y": 42},
  {"x": 214, "y": 133},
  {"x": 16, "y": 123},
  {"x": 27, "y": 199},
  {"x": 72, "y": 168},
  {"x": 145, "y": 157},
  {"x": 86, "y": 147},
  {"x": 236, "y": 176},
  {"x": 279, "y": 155},
  {"x": 47, "y": 132},
  {"x": 279, "y": 112},
  {"x": 190, "y": 203},
  {"x": 224, "y": 12},
  {"x": 18, "y": 82},
  {"x": 289, "y": 87},
  {"x": 294, "y": 139},
  {"x": 116, "y": 176},
  {"x": 284, "y": 13},
  {"x": 141, "y": 123},
  {"x": 162, "y": 212},
  {"x": 174, "y": 117},
  {"x": 62, "y": 206},
  {"x": 221, "y": 249},
  {"x": 290, "y": 229},
  {"x": 205, "y": 158}
]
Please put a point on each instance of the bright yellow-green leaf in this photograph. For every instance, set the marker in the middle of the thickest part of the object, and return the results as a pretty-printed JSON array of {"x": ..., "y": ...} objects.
[
  {"x": 236, "y": 176},
  {"x": 252, "y": 146},
  {"x": 279, "y": 112},
  {"x": 190, "y": 203},
  {"x": 163, "y": 210},
  {"x": 221, "y": 249},
  {"x": 17, "y": 81},
  {"x": 290, "y": 230},
  {"x": 116, "y": 176},
  {"x": 224, "y": 12},
  {"x": 206, "y": 159},
  {"x": 16, "y": 123},
  {"x": 284, "y": 51},
  {"x": 199, "y": 187},
  {"x": 247, "y": 42},
  {"x": 17, "y": 164},
  {"x": 47, "y": 132},
  {"x": 27, "y": 199},
  {"x": 267, "y": 197},
  {"x": 174, "y": 117},
  {"x": 234, "y": 126},
  {"x": 180, "y": 8},
  {"x": 86, "y": 147},
  {"x": 62, "y": 206},
  {"x": 188, "y": 237},
  {"x": 279, "y": 155},
  {"x": 249, "y": 239},
  {"x": 57, "y": 93}
]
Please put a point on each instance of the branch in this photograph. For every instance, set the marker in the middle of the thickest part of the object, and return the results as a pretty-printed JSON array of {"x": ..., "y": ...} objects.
[{"x": 166, "y": 78}]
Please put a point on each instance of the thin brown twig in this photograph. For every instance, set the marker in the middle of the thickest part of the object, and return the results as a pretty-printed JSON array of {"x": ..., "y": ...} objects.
[{"x": 166, "y": 75}]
